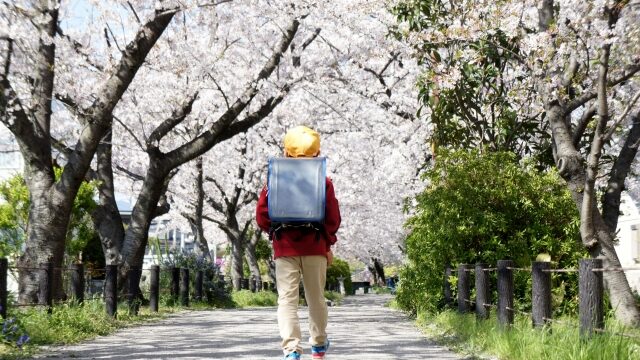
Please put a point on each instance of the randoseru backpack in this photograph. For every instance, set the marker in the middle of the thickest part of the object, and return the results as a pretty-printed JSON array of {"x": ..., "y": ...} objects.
[{"x": 296, "y": 194}]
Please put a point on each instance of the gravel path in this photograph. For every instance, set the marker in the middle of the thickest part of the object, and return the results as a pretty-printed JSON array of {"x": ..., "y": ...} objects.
[{"x": 361, "y": 328}]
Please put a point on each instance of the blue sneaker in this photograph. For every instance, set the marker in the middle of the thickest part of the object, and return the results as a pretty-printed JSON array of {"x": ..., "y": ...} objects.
[
  {"x": 318, "y": 351},
  {"x": 292, "y": 356}
]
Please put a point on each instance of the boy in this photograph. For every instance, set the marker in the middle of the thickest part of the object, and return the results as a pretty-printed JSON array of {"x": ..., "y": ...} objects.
[{"x": 302, "y": 252}]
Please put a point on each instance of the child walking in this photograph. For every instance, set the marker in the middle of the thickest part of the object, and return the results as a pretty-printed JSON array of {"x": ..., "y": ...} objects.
[{"x": 302, "y": 252}]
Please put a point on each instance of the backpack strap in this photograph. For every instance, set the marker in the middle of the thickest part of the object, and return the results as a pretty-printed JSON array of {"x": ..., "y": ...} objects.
[{"x": 280, "y": 226}]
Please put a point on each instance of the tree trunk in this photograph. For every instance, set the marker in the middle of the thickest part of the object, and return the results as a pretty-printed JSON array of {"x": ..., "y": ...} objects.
[
  {"x": 49, "y": 215},
  {"x": 196, "y": 224},
  {"x": 600, "y": 241},
  {"x": 379, "y": 268},
  {"x": 106, "y": 217},
  {"x": 237, "y": 270},
  {"x": 137, "y": 234},
  {"x": 252, "y": 260}
]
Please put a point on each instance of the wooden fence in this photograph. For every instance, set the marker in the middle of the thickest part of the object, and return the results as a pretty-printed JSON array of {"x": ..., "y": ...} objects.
[
  {"x": 590, "y": 292},
  {"x": 179, "y": 286}
]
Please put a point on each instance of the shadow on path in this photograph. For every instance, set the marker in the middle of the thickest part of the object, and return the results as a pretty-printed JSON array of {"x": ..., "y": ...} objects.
[{"x": 360, "y": 328}]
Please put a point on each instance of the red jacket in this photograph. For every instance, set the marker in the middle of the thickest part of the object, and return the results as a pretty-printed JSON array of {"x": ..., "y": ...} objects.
[{"x": 296, "y": 242}]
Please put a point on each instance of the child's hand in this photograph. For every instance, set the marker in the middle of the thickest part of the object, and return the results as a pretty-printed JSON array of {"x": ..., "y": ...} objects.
[{"x": 329, "y": 258}]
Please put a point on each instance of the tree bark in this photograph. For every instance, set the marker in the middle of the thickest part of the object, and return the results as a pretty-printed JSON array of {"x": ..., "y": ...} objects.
[
  {"x": 196, "y": 221},
  {"x": 252, "y": 258},
  {"x": 106, "y": 217}
]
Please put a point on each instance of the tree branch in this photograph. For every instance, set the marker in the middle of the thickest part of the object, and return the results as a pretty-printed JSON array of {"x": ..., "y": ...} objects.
[
  {"x": 110, "y": 94},
  {"x": 207, "y": 139},
  {"x": 624, "y": 114},
  {"x": 618, "y": 174},
  {"x": 582, "y": 125},
  {"x": 581, "y": 100},
  {"x": 177, "y": 116}
]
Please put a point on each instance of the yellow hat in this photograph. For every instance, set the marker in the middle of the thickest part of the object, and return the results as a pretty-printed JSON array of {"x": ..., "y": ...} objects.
[{"x": 301, "y": 141}]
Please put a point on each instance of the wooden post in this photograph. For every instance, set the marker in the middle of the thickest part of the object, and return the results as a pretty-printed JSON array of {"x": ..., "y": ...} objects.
[
  {"x": 448, "y": 298},
  {"x": 199, "y": 280},
  {"x": 154, "y": 288},
  {"x": 463, "y": 289},
  {"x": 252, "y": 284},
  {"x": 134, "y": 282},
  {"x": 111, "y": 290},
  {"x": 540, "y": 293},
  {"x": 77, "y": 282},
  {"x": 184, "y": 287},
  {"x": 4, "y": 266},
  {"x": 590, "y": 291},
  {"x": 175, "y": 282},
  {"x": 46, "y": 286},
  {"x": 482, "y": 291},
  {"x": 244, "y": 284},
  {"x": 505, "y": 293}
]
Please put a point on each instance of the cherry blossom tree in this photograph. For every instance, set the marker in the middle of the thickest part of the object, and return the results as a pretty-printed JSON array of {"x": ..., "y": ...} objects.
[
  {"x": 573, "y": 62},
  {"x": 36, "y": 69}
]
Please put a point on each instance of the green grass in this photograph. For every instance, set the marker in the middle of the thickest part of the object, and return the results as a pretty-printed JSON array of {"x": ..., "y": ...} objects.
[
  {"x": 246, "y": 298},
  {"x": 334, "y": 296},
  {"x": 69, "y": 324},
  {"x": 562, "y": 342}
]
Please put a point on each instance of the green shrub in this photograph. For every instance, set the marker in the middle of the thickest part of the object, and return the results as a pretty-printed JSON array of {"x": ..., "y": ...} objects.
[
  {"x": 246, "y": 298},
  {"x": 334, "y": 296},
  {"x": 484, "y": 208},
  {"x": 339, "y": 268}
]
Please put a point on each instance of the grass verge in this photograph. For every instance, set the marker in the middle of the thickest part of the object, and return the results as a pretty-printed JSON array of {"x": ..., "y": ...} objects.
[
  {"x": 485, "y": 339},
  {"x": 69, "y": 324}
]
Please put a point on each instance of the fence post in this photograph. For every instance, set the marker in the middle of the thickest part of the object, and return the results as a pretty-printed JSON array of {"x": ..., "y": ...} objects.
[
  {"x": 244, "y": 284},
  {"x": 184, "y": 287},
  {"x": 448, "y": 299},
  {"x": 252, "y": 284},
  {"x": 46, "y": 286},
  {"x": 199, "y": 279},
  {"x": 4, "y": 266},
  {"x": 540, "y": 293},
  {"x": 482, "y": 291},
  {"x": 154, "y": 288},
  {"x": 590, "y": 291},
  {"x": 464, "y": 291},
  {"x": 134, "y": 282},
  {"x": 175, "y": 282},
  {"x": 77, "y": 282},
  {"x": 111, "y": 290},
  {"x": 505, "y": 293}
]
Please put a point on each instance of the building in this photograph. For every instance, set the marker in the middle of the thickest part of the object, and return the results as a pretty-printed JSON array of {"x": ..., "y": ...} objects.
[{"x": 628, "y": 235}]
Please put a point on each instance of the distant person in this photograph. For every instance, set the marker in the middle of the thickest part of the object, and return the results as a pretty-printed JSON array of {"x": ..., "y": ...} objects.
[{"x": 301, "y": 250}]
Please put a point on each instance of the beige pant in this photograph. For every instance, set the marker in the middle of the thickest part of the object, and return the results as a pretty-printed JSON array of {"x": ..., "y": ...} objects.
[{"x": 313, "y": 270}]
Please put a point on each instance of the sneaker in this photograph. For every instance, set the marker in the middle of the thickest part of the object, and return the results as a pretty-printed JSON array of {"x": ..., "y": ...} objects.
[
  {"x": 293, "y": 356},
  {"x": 318, "y": 351}
]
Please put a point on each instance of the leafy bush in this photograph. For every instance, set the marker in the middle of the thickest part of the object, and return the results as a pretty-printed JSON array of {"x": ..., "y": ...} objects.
[
  {"x": 334, "y": 296},
  {"x": 484, "y": 208},
  {"x": 246, "y": 298},
  {"x": 339, "y": 268}
]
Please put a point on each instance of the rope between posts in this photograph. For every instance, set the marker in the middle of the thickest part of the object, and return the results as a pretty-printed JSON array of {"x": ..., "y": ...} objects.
[
  {"x": 615, "y": 269},
  {"x": 490, "y": 269},
  {"x": 559, "y": 270},
  {"x": 603, "y": 331},
  {"x": 518, "y": 269},
  {"x": 490, "y": 305},
  {"x": 559, "y": 322},
  {"x": 518, "y": 311}
]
